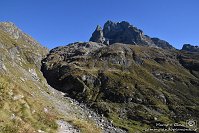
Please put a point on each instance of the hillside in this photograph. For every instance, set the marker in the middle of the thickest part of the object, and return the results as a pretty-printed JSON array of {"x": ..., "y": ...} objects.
[
  {"x": 27, "y": 103},
  {"x": 136, "y": 81}
]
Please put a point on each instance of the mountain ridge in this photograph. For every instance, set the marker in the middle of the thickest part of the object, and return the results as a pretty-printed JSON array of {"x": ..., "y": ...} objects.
[{"x": 124, "y": 32}]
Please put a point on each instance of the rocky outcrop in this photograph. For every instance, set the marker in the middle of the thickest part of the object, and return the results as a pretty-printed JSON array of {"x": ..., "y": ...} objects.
[
  {"x": 123, "y": 32},
  {"x": 98, "y": 35},
  {"x": 190, "y": 61},
  {"x": 23, "y": 43},
  {"x": 162, "y": 44},
  {"x": 188, "y": 57},
  {"x": 190, "y": 48},
  {"x": 124, "y": 82}
]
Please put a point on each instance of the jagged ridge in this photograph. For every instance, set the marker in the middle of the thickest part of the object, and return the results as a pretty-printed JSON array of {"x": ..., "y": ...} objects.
[{"x": 123, "y": 32}]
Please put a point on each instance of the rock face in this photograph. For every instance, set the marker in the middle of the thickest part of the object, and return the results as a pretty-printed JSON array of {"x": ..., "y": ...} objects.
[
  {"x": 126, "y": 83},
  {"x": 189, "y": 58},
  {"x": 190, "y": 48},
  {"x": 123, "y": 32},
  {"x": 98, "y": 35},
  {"x": 162, "y": 44},
  {"x": 23, "y": 43}
]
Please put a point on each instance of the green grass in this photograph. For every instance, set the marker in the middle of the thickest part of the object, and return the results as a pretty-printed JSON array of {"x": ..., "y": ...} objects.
[
  {"x": 18, "y": 114},
  {"x": 130, "y": 125}
]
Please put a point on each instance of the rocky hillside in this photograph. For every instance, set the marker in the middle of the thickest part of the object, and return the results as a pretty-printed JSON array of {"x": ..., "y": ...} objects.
[
  {"x": 27, "y": 103},
  {"x": 190, "y": 48},
  {"x": 134, "y": 80}
]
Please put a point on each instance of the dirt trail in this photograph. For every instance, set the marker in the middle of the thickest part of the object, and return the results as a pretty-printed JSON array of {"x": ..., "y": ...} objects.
[{"x": 65, "y": 127}]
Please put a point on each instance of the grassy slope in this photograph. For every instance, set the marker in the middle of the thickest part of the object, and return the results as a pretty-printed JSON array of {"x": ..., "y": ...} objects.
[{"x": 25, "y": 102}]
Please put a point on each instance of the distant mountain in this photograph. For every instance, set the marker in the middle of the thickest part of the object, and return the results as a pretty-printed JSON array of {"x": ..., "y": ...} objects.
[
  {"x": 190, "y": 48},
  {"x": 123, "y": 32},
  {"x": 134, "y": 80}
]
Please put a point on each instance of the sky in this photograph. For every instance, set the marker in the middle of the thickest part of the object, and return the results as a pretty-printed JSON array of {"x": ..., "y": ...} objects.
[{"x": 59, "y": 22}]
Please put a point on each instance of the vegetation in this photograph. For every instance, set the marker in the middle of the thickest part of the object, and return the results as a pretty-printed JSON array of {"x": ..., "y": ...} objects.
[{"x": 134, "y": 86}]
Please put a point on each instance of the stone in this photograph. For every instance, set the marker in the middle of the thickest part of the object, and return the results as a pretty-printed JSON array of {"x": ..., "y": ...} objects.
[
  {"x": 45, "y": 110},
  {"x": 40, "y": 131},
  {"x": 124, "y": 32},
  {"x": 17, "y": 97},
  {"x": 97, "y": 35},
  {"x": 162, "y": 44}
]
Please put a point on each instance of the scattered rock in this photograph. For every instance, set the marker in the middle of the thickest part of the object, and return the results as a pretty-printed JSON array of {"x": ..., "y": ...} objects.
[
  {"x": 40, "y": 131},
  {"x": 65, "y": 127},
  {"x": 45, "y": 110},
  {"x": 17, "y": 97}
]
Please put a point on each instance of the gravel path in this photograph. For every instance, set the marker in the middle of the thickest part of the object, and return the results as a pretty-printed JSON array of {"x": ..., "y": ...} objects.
[
  {"x": 71, "y": 108},
  {"x": 65, "y": 127}
]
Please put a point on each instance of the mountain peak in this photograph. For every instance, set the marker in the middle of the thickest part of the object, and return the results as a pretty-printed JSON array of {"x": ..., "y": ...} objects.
[
  {"x": 8, "y": 23},
  {"x": 17, "y": 34},
  {"x": 124, "y": 32},
  {"x": 11, "y": 29},
  {"x": 98, "y": 27},
  {"x": 98, "y": 35}
]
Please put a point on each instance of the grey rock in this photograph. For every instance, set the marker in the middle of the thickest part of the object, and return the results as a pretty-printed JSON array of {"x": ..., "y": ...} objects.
[
  {"x": 162, "y": 44},
  {"x": 97, "y": 35},
  {"x": 124, "y": 32}
]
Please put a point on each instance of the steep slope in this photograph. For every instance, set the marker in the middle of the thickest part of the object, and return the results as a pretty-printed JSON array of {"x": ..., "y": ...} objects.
[
  {"x": 21, "y": 104},
  {"x": 27, "y": 103},
  {"x": 135, "y": 86},
  {"x": 188, "y": 57}
]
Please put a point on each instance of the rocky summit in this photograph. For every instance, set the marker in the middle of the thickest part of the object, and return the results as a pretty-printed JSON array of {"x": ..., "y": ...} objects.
[
  {"x": 123, "y": 32},
  {"x": 132, "y": 79},
  {"x": 120, "y": 81}
]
